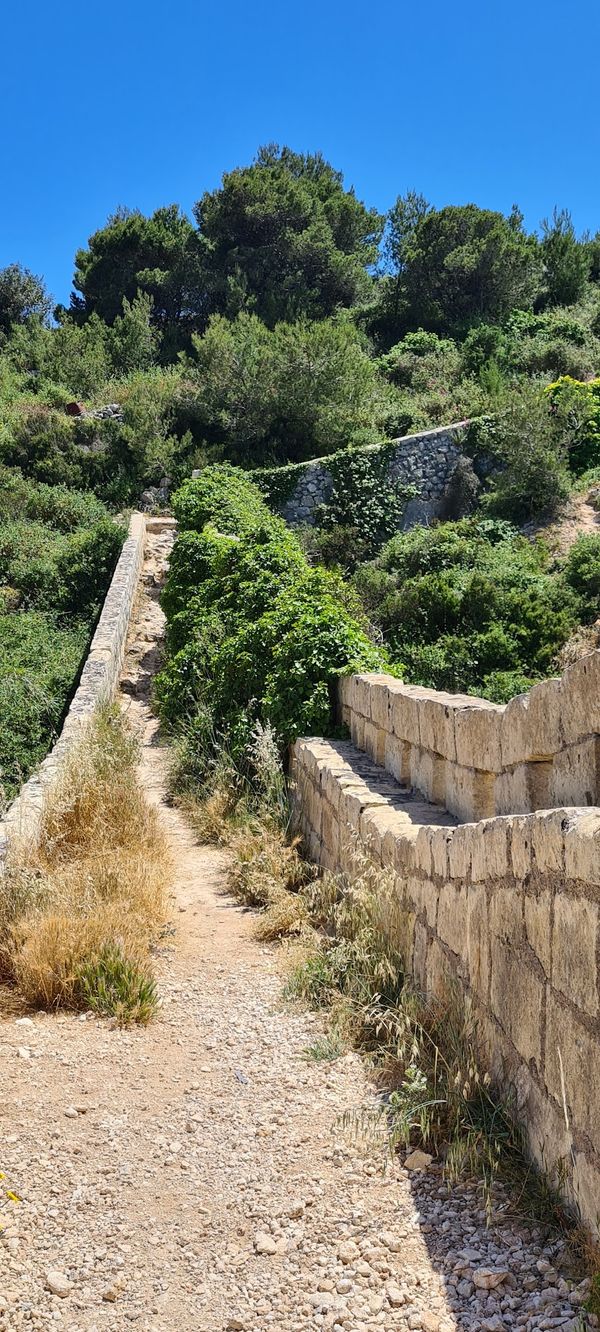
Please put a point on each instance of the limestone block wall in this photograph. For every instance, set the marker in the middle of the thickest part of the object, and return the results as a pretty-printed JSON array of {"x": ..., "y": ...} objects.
[
  {"x": 508, "y": 907},
  {"x": 478, "y": 759},
  {"x": 98, "y": 682}
]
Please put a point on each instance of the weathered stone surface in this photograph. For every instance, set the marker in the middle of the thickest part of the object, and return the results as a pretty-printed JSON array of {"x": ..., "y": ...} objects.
[
  {"x": 575, "y": 775},
  {"x": 489, "y": 853},
  {"x": 516, "y": 998},
  {"x": 477, "y": 728},
  {"x": 571, "y": 1045},
  {"x": 538, "y": 916},
  {"x": 580, "y": 698},
  {"x": 469, "y": 793},
  {"x": 574, "y": 941},
  {"x": 452, "y": 917},
  {"x": 582, "y": 847},
  {"x": 478, "y": 940},
  {"x": 531, "y": 725}
]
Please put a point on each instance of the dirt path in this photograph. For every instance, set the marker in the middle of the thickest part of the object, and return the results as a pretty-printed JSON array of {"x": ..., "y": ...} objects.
[
  {"x": 579, "y": 519},
  {"x": 193, "y": 1177}
]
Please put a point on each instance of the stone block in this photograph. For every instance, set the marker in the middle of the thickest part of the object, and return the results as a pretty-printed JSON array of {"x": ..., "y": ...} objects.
[
  {"x": 436, "y": 724},
  {"x": 538, "y": 916},
  {"x": 574, "y": 940},
  {"x": 460, "y": 846},
  {"x": 419, "y": 962},
  {"x": 440, "y": 838},
  {"x": 477, "y": 735},
  {"x": 489, "y": 855},
  {"x": 469, "y": 793},
  {"x": 548, "y": 1135},
  {"x": 357, "y": 729},
  {"x": 478, "y": 940},
  {"x": 405, "y": 709},
  {"x": 405, "y": 858},
  {"x": 428, "y": 774},
  {"x": 438, "y": 970},
  {"x": 572, "y": 1052},
  {"x": 516, "y": 1000},
  {"x": 519, "y": 836},
  {"x": 548, "y": 841},
  {"x": 430, "y": 901},
  {"x": 396, "y": 758},
  {"x": 423, "y": 850},
  {"x": 379, "y": 698},
  {"x": 374, "y": 742},
  {"x": 505, "y": 914},
  {"x": 345, "y": 691},
  {"x": 575, "y": 776},
  {"x": 580, "y": 698},
  {"x": 586, "y": 1192},
  {"x": 524, "y": 788},
  {"x": 582, "y": 847},
  {"x": 531, "y": 725},
  {"x": 452, "y": 917},
  {"x": 330, "y": 834}
]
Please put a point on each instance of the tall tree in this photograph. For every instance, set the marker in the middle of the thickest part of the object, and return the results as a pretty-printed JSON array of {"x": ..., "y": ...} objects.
[
  {"x": 566, "y": 260},
  {"x": 160, "y": 256},
  {"x": 286, "y": 239},
  {"x": 22, "y": 295},
  {"x": 464, "y": 265}
]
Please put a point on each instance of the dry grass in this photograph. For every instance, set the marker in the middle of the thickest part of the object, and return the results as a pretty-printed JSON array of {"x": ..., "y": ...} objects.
[{"x": 94, "y": 881}]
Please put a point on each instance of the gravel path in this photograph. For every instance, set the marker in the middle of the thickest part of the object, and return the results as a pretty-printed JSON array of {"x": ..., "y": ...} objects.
[{"x": 193, "y": 1177}]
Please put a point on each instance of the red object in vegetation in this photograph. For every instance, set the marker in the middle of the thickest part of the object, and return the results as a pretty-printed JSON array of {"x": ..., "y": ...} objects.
[{"x": 75, "y": 409}]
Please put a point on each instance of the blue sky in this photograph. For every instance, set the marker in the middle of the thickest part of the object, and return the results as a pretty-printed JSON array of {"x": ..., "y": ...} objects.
[{"x": 124, "y": 102}]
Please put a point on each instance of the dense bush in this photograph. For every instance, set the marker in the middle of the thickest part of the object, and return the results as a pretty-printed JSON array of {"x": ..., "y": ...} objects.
[
  {"x": 254, "y": 633},
  {"x": 473, "y": 606},
  {"x": 58, "y": 549}
]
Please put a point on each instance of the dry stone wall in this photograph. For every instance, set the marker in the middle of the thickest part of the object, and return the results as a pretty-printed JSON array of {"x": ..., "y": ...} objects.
[
  {"x": 98, "y": 682},
  {"x": 427, "y": 461},
  {"x": 507, "y": 907},
  {"x": 478, "y": 759}
]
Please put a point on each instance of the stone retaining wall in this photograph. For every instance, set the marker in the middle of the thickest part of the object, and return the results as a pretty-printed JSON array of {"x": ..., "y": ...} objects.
[
  {"x": 476, "y": 758},
  {"x": 427, "y": 461},
  {"x": 508, "y": 907},
  {"x": 98, "y": 682}
]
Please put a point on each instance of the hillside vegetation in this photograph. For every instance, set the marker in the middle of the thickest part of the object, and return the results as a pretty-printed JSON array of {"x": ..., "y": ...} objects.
[{"x": 288, "y": 320}]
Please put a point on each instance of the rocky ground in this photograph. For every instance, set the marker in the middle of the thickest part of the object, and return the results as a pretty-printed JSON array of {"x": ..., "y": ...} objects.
[{"x": 194, "y": 1176}]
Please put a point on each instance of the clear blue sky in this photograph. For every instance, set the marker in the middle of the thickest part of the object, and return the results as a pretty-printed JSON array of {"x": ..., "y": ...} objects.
[{"x": 124, "y": 102}]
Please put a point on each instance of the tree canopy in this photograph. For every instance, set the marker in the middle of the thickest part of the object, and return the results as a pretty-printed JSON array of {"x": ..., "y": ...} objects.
[{"x": 286, "y": 239}]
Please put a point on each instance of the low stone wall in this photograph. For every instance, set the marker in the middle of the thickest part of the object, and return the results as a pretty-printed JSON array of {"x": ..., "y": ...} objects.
[
  {"x": 477, "y": 758},
  {"x": 508, "y": 907},
  {"x": 427, "y": 461},
  {"x": 98, "y": 682}
]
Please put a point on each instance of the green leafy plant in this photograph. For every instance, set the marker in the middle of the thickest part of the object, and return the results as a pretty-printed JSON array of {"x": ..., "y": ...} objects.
[{"x": 115, "y": 986}]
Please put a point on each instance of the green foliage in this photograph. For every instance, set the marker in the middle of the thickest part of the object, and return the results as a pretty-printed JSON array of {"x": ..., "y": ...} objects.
[
  {"x": 112, "y": 985},
  {"x": 295, "y": 392},
  {"x": 529, "y": 447},
  {"x": 254, "y": 634},
  {"x": 582, "y": 573},
  {"x": 460, "y": 266},
  {"x": 566, "y": 260},
  {"x": 469, "y": 606},
  {"x": 58, "y": 549},
  {"x": 285, "y": 240},
  {"x": 22, "y": 295},
  {"x": 576, "y": 408},
  {"x": 160, "y": 256}
]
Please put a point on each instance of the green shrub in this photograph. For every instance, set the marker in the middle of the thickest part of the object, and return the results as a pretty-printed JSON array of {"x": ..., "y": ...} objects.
[
  {"x": 254, "y": 633},
  {"x": 469, "y": 606},
  {"x": 582, "y": 573}
]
